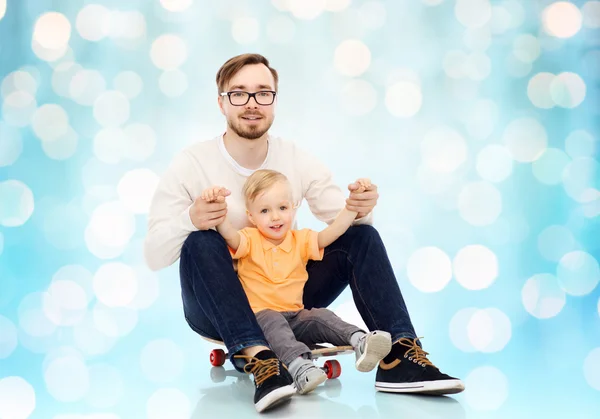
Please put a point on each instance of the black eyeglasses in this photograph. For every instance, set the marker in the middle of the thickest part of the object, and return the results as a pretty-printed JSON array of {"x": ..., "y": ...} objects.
[{"x": 239, "y": 98}]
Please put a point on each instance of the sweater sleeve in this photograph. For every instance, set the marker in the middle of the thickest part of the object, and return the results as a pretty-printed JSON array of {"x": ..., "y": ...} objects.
[
  {"x": 169, "y": 222},
  {"x": 325, "y": 199}
]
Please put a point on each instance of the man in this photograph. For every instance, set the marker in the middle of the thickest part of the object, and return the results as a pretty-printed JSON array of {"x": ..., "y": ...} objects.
[{"x": 181, "y": 225}]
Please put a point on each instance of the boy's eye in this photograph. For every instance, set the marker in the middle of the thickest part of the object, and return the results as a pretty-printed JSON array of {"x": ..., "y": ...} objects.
[
  {"x": 283, "y": 208},
  {"x": 263, "y": 211}
]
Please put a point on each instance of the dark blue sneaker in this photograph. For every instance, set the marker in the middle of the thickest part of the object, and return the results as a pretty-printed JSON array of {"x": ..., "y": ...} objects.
[
  {"x": 407, "y": 370},
  {"x": 273, "y": 382}
]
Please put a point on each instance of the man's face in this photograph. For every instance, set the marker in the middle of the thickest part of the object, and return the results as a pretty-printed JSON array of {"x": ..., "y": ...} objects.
[{"x": 251, "y": 120}]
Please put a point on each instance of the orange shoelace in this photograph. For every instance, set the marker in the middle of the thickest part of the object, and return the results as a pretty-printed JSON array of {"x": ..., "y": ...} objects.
[
  {"x": 415, "y": 353},
  {"x": 261, "y": 369}
]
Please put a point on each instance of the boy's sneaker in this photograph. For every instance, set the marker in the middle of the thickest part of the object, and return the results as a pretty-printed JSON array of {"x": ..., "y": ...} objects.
[
  {"x": 308, "y": 378},
  {"x": 371, "y": 349},
  {"x": 273, "y": 382},
  {"x": 407, "y": 370}
]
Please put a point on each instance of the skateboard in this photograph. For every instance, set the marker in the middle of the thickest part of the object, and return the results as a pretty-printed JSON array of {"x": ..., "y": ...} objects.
[{"x": 332, "y": 367}]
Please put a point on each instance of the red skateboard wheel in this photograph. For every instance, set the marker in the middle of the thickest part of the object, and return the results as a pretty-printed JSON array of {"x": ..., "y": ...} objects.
[
  {"x": 332, "y": 368},
  {"x": 217, "y": 357}
]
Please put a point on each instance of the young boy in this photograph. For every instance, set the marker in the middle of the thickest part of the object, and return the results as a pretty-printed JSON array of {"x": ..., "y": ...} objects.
[{"x": 272, "y": 269}]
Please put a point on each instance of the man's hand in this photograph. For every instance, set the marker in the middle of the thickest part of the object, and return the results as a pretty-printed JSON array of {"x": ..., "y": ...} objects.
[
  {"x": 210, "y": 209},
  {"x": 363, "y": 197}
]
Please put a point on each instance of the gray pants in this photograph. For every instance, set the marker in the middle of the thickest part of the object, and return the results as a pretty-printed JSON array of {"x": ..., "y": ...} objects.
[{"x": 291, "y": 333}]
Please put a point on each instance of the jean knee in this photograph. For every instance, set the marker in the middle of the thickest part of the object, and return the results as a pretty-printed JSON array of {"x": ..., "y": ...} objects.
[{"x": 364, "y": 231}]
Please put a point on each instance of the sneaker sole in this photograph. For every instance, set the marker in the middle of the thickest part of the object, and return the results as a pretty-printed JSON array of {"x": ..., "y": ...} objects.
[
  {"x": 439, "y": 387},
  {"x": 377, "y": 347},
  {"x": 313, "y": 384},
  {"x": 275, "y": 398}
]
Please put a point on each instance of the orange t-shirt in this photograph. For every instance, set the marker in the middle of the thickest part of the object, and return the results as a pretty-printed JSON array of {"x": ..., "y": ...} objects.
[{"x": 274, "y": 276}]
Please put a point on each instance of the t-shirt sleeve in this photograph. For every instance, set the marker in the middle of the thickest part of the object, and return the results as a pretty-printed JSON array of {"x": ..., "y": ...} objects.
[
  {"x": 308, "y": 243},
  {"x": 245, "y": 242}
]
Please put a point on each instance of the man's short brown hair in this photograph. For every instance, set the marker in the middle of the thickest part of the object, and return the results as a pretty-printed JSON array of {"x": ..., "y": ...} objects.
[{"x": 235, "y": 64}]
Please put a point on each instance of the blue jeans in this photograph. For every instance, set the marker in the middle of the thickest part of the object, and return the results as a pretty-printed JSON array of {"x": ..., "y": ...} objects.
[{"x": 216, "y": 306}]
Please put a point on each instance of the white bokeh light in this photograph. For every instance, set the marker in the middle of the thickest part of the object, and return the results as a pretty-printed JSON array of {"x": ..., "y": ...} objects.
[
  {"x": 140, "y": 142},
  {"x": 517, "y": 68},
  {"x": 86, "y": 86},
  {"x": 148, "y": 287},
  {"x": 49, "y": 122},
  {"x": 115, "y": 322},
  {"x": 478, "y": 39},
  {"x": 52, "y": 30},
  {"x": 173, "y": 83},
  {"x": 542, "y": 296},
  {"x": 538, "y": 90},
  {"x": 358, "y": 97},
  {"x": 106, "y": 386},
  {"x": 62, "y": 147},
  {"x": 475, "y": 267},
  {"x": 373, "y": 14},
  {"x": 580, "y": 179},
  {"x": 549, "y": 168},
  {"x": 337, "y": 5},
  {"x": 11, "y": 144},
  {"x": 568, "y": 90},
  {"x": 494, "y": 163},
  {"x": 578, "y": 273},
  {"x": 18, "y": 108},
  {"x": 352, "y": 58},
  {"x": 480, "y": 203},
  {"x": 526, "y": 139},
  {"x": 482, "y": 119},
  {"x": 111, "y": 109},
  {"x": 93, "y": 22},
  {"x": 562, "y": 19},
  {"x": 136, "y": 189},
  {"x": 443, "y": 149},
  {"x": 168, "y": 52},
  {"x": 129, "y": 83},
  {"x": 488, "y": 388},
  {"x": 65, "y": 303},
  {"x": 16, "y": 203},
  {"x": 579, "y": 143},
  {"x": 89, "y": 339},
  {"x": 281, "y": 30},
  {"x": 458, "y": 329},
  {"x": 127, "y": 25},
  {"x": 306, "y": 9},
  {"x": 245, "y": 30},
  {"x": 2, "y": 8},
  {"x": 591, "y": 368},
  {"x": 32, "y": 319},
  {"x": 176, "y": 5},
  {"x": 67, "y": 379},
  {"x": 555, "y": 241},
  {"x": 78, "y": 275},
  {"x": 429, "y": 269},
  {"x": 115, "y": 284},
  {"x": 17, "y": 398},
  {"x": 591, "y": 14},
  {"x": 19, "y": 80},
  {"x": 489, "y": 330},
  {"x": 478, "y": 66},
  {"x": 112, "y": 224},
  {"x": 168, "y": 403},
  {"x": 403, "y": 99},
  {"x": 473, "y": 13},
  {"x": 109, "y": 145},
  {"x": 526, "y": 48},
  {"x": 49, "y": 55},
  {"x": 8, "y": 337},
  {"x": 162, "y": 361}
]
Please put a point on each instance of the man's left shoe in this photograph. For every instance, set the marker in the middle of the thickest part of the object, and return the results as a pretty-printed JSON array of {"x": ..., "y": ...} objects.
[{"x": 407, "y": 370}]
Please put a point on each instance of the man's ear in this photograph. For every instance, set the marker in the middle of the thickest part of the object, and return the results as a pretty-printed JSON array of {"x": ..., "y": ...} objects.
[{"x": 220, "y": 103}]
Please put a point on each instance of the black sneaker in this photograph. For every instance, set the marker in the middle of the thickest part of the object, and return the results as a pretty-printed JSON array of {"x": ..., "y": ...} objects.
[
  {"x": 407, "y": 370},
  {"x": 273, "y": 382}
]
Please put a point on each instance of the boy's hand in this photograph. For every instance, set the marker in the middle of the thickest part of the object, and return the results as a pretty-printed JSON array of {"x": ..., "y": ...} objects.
[
  {"x": 215, "y": 194},
  {"x": 363, "y": 197}
]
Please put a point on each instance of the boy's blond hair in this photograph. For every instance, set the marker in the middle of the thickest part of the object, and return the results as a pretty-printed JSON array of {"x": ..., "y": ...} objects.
[{"x": 260, "y": 181}]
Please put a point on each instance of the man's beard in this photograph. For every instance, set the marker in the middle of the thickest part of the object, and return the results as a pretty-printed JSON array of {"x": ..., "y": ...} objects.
[{"x": 249, "y": 133}]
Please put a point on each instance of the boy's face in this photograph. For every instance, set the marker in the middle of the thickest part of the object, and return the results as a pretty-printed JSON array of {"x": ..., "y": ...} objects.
[{"x": 272, "y": 211}]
